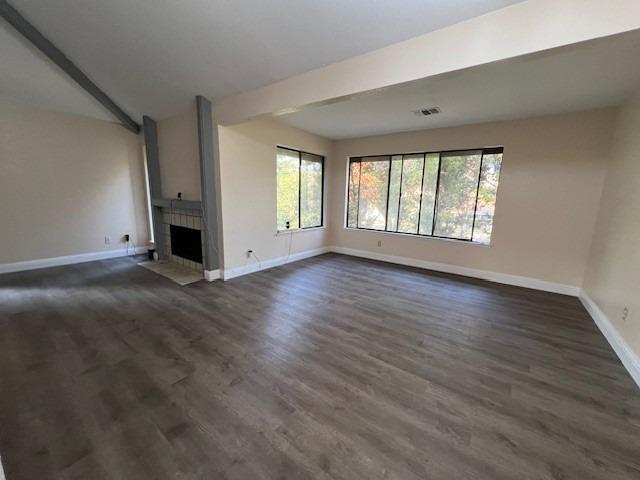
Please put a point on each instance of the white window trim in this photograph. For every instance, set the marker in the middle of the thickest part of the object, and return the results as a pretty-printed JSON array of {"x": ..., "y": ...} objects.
[
  {"x": 300, "y": 230},
  {"x": 420, "y": 237}
]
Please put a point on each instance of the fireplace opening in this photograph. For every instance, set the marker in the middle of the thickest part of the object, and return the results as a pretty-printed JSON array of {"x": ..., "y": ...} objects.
[{"x": 186, "y": 243}]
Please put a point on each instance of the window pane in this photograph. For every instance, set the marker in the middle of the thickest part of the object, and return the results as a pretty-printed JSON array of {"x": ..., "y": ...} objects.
[
  {"x": 354, "y": 185},
  {"x": 288, "y": 168},
  {"x": 374, "y": 177},
  {"x": 412, "y": 167},
  {"x": 489, "y": 178},
  {"x": 429, "y": 193},
  {"x": 310, "y": 191},
  {"x": 394, "y": 193},
  {"x": 457, "y": 195}
]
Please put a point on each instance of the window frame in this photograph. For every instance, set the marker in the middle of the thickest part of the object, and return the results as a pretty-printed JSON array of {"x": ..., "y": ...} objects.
[
  {"x": 492, "y": 150},
  {"x": 300, "y": 153}
]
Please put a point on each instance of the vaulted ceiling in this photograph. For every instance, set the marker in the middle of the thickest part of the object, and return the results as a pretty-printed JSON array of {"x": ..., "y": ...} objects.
[{"x": 152, "y": 57}]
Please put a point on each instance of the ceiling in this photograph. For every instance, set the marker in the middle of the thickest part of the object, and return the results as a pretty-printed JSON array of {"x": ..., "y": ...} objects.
[
  {"x": 592, "y": 74},
  {"x": 28, "y": 77},
  {"x": 154, "y": 56}
]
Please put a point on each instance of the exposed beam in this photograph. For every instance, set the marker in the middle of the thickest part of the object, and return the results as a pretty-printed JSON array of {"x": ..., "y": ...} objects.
[
  {"x": 31, "y": 33},
  {"x": 155, "y": 184},
  {"x": 495, "y": 36},
  {"x": 206, "y": 139}
]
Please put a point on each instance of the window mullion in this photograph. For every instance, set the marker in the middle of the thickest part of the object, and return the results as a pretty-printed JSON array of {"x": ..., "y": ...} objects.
[
  {"x": 400, "y": 194},
  {"x": 475, "y": 207},
  {"x": 435, "y": 200},
  {"x": 386, "y": 214},
  {"x": 322, "y": 195},
  {"x": 299, "y": 189},
  {"x": 424, "y": 166},
  {"x": 359, "y": 185}
]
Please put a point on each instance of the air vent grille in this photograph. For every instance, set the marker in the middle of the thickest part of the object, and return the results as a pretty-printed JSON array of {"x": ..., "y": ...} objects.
[{"x": 424, "y": 112}]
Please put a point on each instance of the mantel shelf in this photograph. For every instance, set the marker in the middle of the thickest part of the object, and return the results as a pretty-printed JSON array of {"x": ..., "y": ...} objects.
[{"x": 176, "y": 203}]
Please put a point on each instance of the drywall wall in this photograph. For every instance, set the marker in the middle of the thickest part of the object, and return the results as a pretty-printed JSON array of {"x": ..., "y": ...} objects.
[
  {"x": 67, "y": 181},
  {"x": 612, "y": 280},
  {"x": 248, "y": 192},
  {"x": 179, "y": 161},
  {"x": 551, "y": 181}
]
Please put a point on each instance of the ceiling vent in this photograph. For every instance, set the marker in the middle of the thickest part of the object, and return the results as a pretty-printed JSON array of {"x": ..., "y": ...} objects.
[{"x": 424, "y": 112}]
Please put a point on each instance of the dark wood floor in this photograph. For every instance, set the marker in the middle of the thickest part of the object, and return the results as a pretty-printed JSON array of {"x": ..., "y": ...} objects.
[{"x": 329, "y": 368}]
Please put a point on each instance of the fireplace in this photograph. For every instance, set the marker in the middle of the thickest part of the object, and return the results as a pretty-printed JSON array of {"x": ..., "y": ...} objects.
[
  {"x": 183, "y": 237},
  {"x": 186, "y": 243}
]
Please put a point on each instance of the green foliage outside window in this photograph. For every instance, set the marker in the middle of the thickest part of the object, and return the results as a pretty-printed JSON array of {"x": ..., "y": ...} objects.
[
  {"x": 299, "y": 189},
  {"x": 449, "y": 195}
]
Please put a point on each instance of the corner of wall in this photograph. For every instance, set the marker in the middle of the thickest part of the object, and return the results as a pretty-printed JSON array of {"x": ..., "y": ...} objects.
[
  {"x": 612, "y": 273},
  {"x": 610, "y": 148},
  {"x": 623, "y": 350}
]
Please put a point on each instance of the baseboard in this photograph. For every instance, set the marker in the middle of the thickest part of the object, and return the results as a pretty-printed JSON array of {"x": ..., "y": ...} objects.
[
  {"x": 627, "y": 356},
  {"x": 211, "y": 275},
  {"x": 68, "y": 260},
  {"x": 496, "y": 277},
  {"x": 229, "y": 273}
]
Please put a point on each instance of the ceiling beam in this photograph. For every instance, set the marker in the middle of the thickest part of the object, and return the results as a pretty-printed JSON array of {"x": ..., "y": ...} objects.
[
  {"x": 31, "y": 33},
  {"x": 496, "y": 36}
]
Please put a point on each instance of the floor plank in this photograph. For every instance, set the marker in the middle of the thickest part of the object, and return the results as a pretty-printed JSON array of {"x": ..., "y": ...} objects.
[{"x": 329, "y": 368}]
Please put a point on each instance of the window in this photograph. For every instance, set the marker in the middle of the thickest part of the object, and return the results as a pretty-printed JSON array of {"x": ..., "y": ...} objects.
[
  {"x": 300, "y": 181},
  {"x": 441, "y": 194}
]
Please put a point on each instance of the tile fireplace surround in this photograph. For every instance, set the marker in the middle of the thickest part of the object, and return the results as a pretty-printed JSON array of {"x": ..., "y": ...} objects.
[{"x": 190, "y": 218}]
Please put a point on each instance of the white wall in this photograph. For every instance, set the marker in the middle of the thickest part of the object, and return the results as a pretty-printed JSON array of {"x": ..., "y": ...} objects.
[
  {"x": 67, "y": 181},
  {"x": 248, "y": 191},
  {"x": 550, "y": 185},
  {"x": 613, "y": 276},
  {"x": 178, "y": 154}
]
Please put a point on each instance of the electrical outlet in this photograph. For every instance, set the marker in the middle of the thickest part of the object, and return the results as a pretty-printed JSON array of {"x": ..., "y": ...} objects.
[
  {"x": 625, "y": 313},
  {"x": 379, "y": 243},
  {"x": 126, "y": 238},
  {"x": 107, "y": 240}
]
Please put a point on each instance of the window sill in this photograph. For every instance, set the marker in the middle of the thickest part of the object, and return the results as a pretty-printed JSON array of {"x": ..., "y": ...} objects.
[
  {"x": 299, "y": 230},
  {"x": 420, "y": 237}
]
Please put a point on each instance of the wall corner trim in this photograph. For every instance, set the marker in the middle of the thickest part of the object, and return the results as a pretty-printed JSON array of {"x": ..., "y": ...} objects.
[
  {"x": 68, "y": 260},
  {"x": 211, "y": 275},
  {"x": 629, "y": 359},
  {"x": 497, "y": 277}
]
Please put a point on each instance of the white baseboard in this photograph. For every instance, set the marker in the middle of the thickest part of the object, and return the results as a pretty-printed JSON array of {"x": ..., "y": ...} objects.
[
  {"x": 229, "y": 273},
  {"x": 255, "y": 266},
  {"x": 496, "y": 277},
  {"x": 67, "y": 260},
  {"x": 627, "y": 356},
  {"x": 211, "y": 275}
]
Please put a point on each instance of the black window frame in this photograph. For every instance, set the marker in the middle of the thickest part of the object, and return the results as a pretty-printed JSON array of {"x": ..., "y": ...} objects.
[
  {"x": 300, "y": 153},
  {"x": 484, "y": 151}
]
